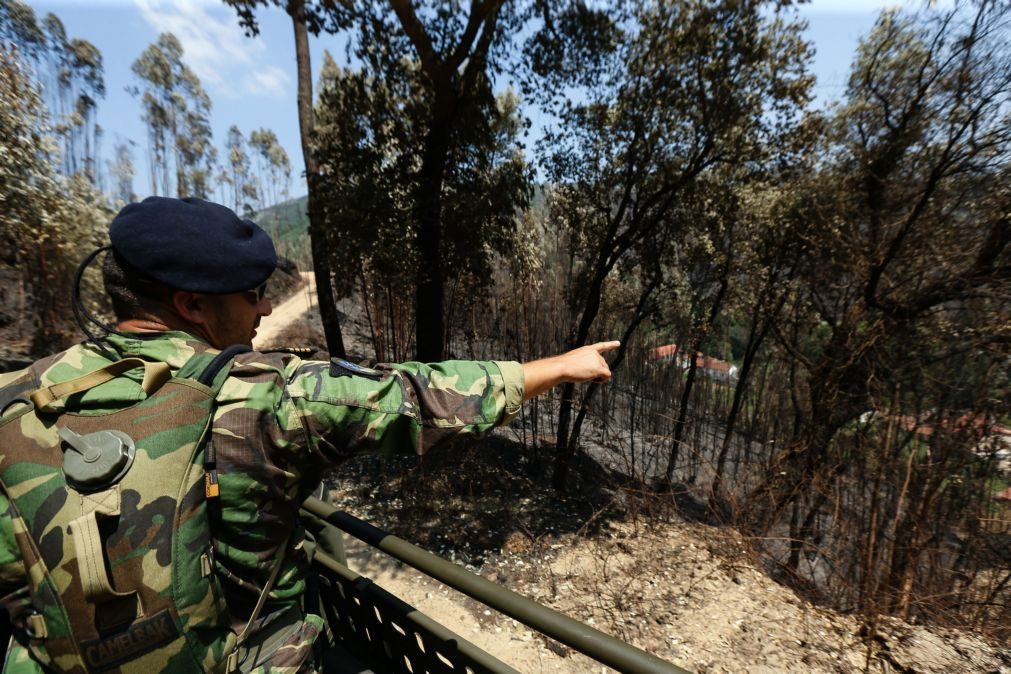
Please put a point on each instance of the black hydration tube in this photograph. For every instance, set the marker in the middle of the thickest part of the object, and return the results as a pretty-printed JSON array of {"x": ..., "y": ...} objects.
[{"x": 82, "y": 316}]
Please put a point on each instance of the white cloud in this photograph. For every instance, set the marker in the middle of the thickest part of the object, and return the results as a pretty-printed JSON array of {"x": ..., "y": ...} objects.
[
  {"x": 98, "y": 4},
  {"x": 864, "y": 6},
  {"x": 227, "y": 62}
]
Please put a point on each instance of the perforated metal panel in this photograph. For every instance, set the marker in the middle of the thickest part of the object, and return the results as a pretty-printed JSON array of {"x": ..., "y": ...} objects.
[{"x": 387, "y": 634}]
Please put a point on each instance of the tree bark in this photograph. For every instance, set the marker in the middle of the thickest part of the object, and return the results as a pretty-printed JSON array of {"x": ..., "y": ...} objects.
[
  {"x": 430, "y": 331},
  {"x": 317, "y": 228}
]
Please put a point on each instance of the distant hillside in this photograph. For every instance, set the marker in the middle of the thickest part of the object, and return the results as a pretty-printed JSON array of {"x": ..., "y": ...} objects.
[
  {"x": 285, "y": 221},
  {"x": 288, "y": 224}
]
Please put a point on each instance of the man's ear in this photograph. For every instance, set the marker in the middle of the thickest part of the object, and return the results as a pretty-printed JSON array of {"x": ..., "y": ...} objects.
[{"x": 191, "y": 307}]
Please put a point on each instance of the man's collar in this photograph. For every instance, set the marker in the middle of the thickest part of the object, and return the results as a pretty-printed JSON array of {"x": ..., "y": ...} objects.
[{"x": 173, "y": 347}]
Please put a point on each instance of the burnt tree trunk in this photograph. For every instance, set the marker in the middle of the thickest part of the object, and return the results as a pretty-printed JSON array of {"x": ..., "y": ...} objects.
[
  {"x": 317, "y": 227},
  {"x": 643, "y": 310},
  {"x": 453, "y": 75},
  {"x": 430, "y": 279},
  {"x": 564, "y": 448},
  {"x": 759, "y": 331}
]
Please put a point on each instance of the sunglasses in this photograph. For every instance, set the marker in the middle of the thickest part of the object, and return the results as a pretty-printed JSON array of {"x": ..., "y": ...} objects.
[{"x": 256, "y": 294}]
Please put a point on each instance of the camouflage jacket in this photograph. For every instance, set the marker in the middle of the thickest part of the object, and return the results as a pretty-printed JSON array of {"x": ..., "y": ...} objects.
[{"x": 279, "y": 423}]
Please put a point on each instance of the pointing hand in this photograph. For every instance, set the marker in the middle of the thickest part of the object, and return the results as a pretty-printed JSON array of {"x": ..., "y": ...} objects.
[{"x": 579, "y": 365}]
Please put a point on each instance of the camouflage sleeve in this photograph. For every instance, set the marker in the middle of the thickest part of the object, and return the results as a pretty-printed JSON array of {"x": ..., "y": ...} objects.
[{"x": 346, "y": 409}]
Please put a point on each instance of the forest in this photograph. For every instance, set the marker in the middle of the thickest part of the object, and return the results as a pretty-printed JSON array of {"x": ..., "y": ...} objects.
[{"x": 814, "y": 304}]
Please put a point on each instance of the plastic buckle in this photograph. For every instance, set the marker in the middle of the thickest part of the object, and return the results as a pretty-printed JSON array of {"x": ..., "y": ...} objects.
[{"x": 35, "y": 626}]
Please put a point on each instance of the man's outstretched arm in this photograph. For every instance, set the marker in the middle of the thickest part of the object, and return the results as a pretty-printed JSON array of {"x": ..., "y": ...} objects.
[
  {"x": 348, "y": 410},
  {"x": 579, "y": 365}
]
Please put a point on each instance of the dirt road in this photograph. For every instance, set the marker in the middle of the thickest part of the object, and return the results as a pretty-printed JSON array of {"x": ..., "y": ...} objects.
[{"x": 299, "y": 303}]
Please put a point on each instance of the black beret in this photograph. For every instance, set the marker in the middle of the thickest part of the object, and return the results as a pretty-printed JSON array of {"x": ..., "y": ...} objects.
[{"x": 191, "y": 244}]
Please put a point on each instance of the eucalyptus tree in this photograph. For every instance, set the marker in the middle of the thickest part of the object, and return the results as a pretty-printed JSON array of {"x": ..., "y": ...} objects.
[
  {"x": 20, "y": 27},
  {"x": 177, "y": 111},
  {"x": 26, "y": 168},
  {"x": 78, "y": 81},
  {"x": 72, "y": 73},
  {"x": 258, "y": 142},
  {"x": 273, "y": 168},
  {"x": 195, "y": 156},
  {"x": 306, "y": 17},
  {"x": 280, "y": 173},
  {"x": 241, "y": 179},
  {"x": 122, "y": 170},
  {"x": 681, "y": 89}
]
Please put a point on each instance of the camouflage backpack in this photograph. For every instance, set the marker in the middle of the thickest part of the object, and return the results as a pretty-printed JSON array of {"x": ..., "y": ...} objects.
[{"x": 109, "y": 514}]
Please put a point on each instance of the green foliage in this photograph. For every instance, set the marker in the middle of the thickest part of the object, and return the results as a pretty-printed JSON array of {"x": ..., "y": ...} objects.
[
  {"x": 374, "y": 128},
  {"x": 19, "y": 26},
  {"x": 900, "y": 293},
  {"x": 906, "y": 265},
  {"x": 366, "y": 144},
  {"x": 27, "y": 163},
  {"x": 573, "y": 47},
  {"x": 698, "y": 86},
  {"x": 121, "y": 170},
  {"x": 237, "y": 174},
  {"x": 856, "y": 259}
]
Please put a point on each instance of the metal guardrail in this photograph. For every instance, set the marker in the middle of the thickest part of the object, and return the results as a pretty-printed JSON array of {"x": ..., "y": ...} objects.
[
  {"x": 370, "y": 624},
  {"x": 601, "y": 647}
]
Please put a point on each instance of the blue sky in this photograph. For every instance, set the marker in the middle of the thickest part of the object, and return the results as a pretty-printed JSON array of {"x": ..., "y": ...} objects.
[{"x": 251, "y": 81}]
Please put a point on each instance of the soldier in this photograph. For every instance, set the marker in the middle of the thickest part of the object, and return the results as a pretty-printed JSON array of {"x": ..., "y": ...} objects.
[{"x": 150, "y": 478}]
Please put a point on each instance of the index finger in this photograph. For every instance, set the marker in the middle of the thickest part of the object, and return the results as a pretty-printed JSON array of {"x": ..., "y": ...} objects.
[{"x": 604, "y": 347}]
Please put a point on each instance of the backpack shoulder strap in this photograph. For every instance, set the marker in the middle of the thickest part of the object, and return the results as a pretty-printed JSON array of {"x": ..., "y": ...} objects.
[
  {"x": 155, "y": 374},
  {"x": 204, "y": 367},
  {"x": 210, "y": 366}
]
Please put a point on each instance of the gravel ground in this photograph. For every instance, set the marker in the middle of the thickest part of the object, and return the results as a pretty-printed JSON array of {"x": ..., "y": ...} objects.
[{"x": 689, "y": 593}]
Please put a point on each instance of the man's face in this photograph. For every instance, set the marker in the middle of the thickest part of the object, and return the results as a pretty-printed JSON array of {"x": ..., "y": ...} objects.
[{"x": 236, "y": 317}]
